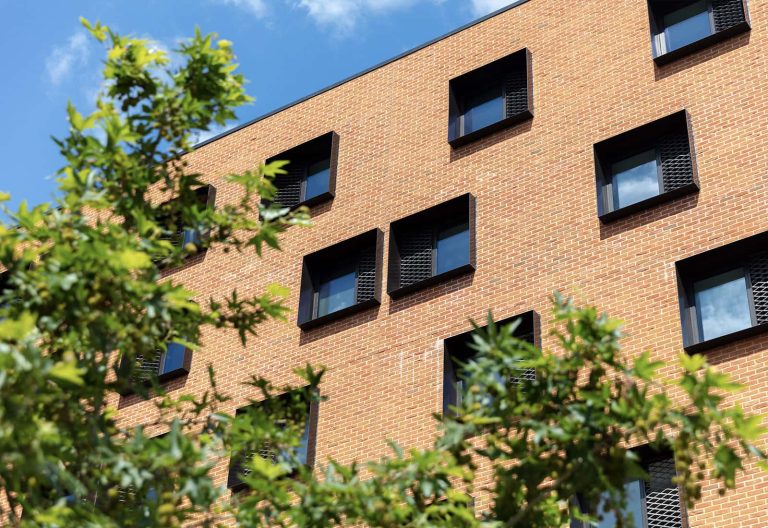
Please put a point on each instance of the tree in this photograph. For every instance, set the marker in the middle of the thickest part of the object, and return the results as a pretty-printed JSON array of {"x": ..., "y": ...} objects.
[{"x": 83, "y": 304}]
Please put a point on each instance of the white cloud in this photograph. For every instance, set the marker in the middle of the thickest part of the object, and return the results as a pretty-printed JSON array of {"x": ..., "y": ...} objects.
[
  {"x": 63, "y": 59},
  {"x": 257, "y": 8},
  {"x": 343, "y": 15},
  {"x": 483, "y": 7}
]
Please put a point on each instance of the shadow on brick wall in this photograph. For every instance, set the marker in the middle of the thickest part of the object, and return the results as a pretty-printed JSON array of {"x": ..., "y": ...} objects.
[
  {"x": 489, "y": 141},
  {"x": 646, "y": 217},
  {"x": 129, "y": 399},
  {"x": 431, "y": 293},
  {"x": 352, "y": 321},
  {"x": 737, "y": 350},
  {"x": 691, "y": 61}
]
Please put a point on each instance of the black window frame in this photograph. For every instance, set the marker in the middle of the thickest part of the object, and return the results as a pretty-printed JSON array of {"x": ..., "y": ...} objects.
[
  {"x": 498, "y": 72},
  {"x": 456, "y": 350},
  {"x": 146, "y": 375},
  {"x": 206, "y": 195},
  {"x": 658, "y": 463},
  {"x": 669, "y": 129},
  {"x": 234, "y": 482},
  {"x": 300, "y": 158},
  {"x": 359, "y": 250},
  {"x": 658, "y": 8},
  {"x": 751, "y": 254},
  {"x": 435, "y": 218}
]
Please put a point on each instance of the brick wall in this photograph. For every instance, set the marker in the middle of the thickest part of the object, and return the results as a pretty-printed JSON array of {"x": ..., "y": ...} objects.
[{"x": 537, "y": 226}]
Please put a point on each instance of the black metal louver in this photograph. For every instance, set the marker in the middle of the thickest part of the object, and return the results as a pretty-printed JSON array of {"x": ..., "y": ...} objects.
[
  {"x": 676, "y": 165},
  {"x": 727, "y": 13},
  {"x": 146, "y": 369},
  {"x": 662, "y": 496},
  {"x": 516, "y": 93},
  {"x": 366, "y": 275},
  {"x": 758, "y": 275},
  {"x": 289, "y": 187},
  {"x": 415, "y": 256},
  {"x": 524, "y": 374}
]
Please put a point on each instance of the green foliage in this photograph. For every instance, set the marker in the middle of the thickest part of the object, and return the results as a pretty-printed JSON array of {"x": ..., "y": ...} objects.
[{"x": 84, "y": 299}]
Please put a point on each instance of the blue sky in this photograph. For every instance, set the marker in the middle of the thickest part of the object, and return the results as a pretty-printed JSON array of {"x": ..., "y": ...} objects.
[{"x": 286, "y": 48}]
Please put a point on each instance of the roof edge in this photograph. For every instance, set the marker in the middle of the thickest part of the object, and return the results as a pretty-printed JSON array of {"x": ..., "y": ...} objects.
[{"x": 359, "y": 74}]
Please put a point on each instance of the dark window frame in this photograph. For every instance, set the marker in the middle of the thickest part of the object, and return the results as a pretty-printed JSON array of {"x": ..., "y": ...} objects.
[
  {"x": 636, "y": 141},
  {"x": 648, "y": 456},
  {"x": 657, "y": 9},
  {"x": 455, "y": 348},
  {"x": 146, "y": 377},
  {"x": 207, "y": 195},
  {"x": 235, "y": 484},
  {"x": 300, "y": 158},
  {"x": 315, "y": 264},
  {"x": 438, "y": 216},
  {"x": 476, "y": 81},
  {"x": 709, "y": 264}
]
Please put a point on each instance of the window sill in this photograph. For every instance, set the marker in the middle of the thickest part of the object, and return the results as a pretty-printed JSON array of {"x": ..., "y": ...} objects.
[
  {"x": 616, "y": 214},
  {"x": 435, "y": 279},
  {"x": 490, "y": 129},
  {"x": 693, "y": 47},
  {"x": 701, "y": 346},
  {"x": 338, "y": 314}
]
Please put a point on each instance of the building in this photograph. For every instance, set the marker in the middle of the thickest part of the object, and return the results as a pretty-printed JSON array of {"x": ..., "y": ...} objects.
[{"x": 612, "y": 150}]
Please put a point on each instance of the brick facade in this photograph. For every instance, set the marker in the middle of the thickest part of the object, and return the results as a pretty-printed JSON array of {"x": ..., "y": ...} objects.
[{"x": 537, "y": 224}]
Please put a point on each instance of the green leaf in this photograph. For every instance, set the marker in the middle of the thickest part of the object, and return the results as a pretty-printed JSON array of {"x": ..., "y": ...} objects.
[
  {"x": 692, "y": 363},
  {"x": 276, "y": 290},
  {"x": 132, "y": 259},
  {"x": 17, "y": 329},
  {"x": 68, "y": 372}
]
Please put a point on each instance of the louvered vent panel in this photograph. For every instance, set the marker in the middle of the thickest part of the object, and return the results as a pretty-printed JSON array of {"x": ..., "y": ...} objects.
[
  {"x": 727, "y": 13},
  {"x": 289, "y": 187},
  {"x": 415, "y": 256},
  {"x": 662, "y": 496},
  {"x": 516, "y": 93},
  {"x": 676, "y": 166},
  {"x": 366, "y": 275},
  {"x": 526, "y": 374},
  {"x": 758, "y": 274},
  {"x": 146, "y": 369}
]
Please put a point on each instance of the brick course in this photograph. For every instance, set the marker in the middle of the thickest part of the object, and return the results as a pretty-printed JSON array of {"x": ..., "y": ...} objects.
[{"x": 537, "y": 225}]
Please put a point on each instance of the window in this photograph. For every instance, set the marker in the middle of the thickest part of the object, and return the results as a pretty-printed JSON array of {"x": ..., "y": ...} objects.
[
  {"x": 654, "y": 503},
  {"x": 432, "y": 245},
  {"x": 645, "y": 166},
  {"x": 458, "y": 353},
  {"x": 724, "y": 293},
  {"x": 490, "y": 98},
  {"x": 681, "y": 27},
  {"x": 311, "y": 176},
  {"x": 176, "y": 232},
  {"x": 173, "y": 362},
  {"x": 342, "y": 279},
  {"x": 304, "y": 453}
]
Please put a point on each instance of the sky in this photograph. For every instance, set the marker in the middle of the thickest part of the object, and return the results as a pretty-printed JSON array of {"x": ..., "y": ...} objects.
[{"x": 287, "y": 49}]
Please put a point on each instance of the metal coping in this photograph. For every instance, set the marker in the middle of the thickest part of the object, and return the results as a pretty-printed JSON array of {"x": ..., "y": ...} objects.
[{"x": 360, "y": 74}]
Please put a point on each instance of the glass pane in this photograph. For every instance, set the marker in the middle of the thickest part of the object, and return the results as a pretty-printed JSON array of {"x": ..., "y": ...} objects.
[
  {"x": 317, "y": 179},
  {"x": 722, "y": 304},
  {"x": 173, "y": 358},
  {"x": 452, "y": 247},
  {"x": 635, "y": 179},
  {"x": 634, "y": 507},
  {"x": 483, "y": 109},
  {"x": 336, "y": 293},
  {"x": 190, "y": 235},
  {"x": 301, "y": 451},
  {"x": 686, "y": 25}
]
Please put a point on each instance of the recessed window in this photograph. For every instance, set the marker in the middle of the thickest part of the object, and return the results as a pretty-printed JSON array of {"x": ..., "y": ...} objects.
[
  {"x": 304, "y": 453},
  {"x": 432, "y": 245},
  {"x": 653, "y": 503},
  {"x": 311, "y": 172},
  {"x": 341, "y": 279},
  {"x": 724, "y": 293},
  {"x": 490, "y": 98},
  {"x": 682, "y": 27},
  {"x": 644, "y": 167},
  {"x": 458, "y": 353},
  {"x": 174, "y": 361},
  {"x": 180, "y": 235}
]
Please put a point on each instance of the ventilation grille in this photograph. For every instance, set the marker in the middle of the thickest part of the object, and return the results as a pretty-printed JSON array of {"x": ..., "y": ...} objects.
[
  {"x": 758, "y": 274},
  {"x": 526, "y": 374},
  {"x": 727, "y": 13},
  {"x": 516, "y": 93},
  {"x": 289, "y": 187},
  {"x": 676, "y": 166},
  {"x": 662, "y": 496},
  {"x": 366, "y": 275},
  {"x": 146, "y": 369},
  {"x": 415, "y": 256}
]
